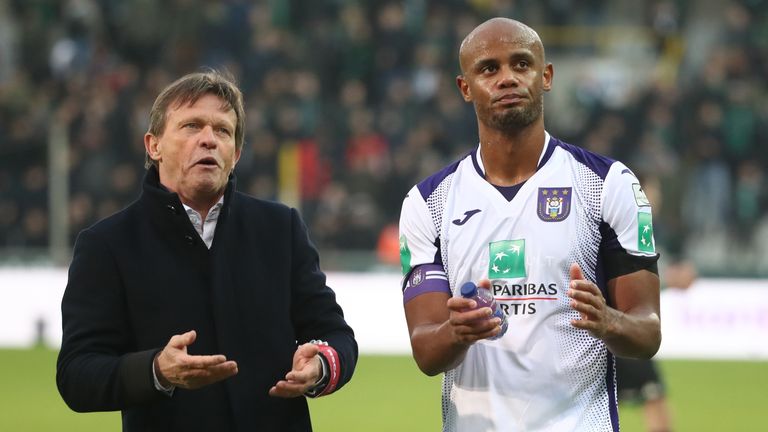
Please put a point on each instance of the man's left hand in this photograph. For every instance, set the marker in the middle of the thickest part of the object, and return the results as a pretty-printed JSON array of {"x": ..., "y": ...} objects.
[
  {"x": 596, "y": 316},
  {"x": 307, "y": 369}
]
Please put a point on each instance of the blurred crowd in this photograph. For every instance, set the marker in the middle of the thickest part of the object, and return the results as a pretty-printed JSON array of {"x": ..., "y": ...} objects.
[{"x": 349, "y": 103}]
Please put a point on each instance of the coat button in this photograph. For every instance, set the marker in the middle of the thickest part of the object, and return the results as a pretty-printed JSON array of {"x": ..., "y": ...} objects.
[{"x": 189, "y": 239}]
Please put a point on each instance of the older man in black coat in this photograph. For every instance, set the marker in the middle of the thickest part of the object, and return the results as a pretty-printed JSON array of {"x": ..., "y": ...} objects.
[{"x": 198, "y": 307}]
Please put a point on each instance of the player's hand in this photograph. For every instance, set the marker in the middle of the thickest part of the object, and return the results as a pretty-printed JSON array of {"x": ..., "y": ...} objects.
[
  {"x": 469, "y": 325},
  {"x": 307, "y": 369},
  {"x": 174, "y": 366},
  {"x": 596, "y": 316}
]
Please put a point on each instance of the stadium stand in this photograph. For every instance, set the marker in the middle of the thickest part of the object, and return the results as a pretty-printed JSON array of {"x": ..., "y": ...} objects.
[{"x": 351, "y": 102}]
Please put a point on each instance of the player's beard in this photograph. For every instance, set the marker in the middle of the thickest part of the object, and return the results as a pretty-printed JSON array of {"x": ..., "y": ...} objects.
[{"x": 517, "y": 117}]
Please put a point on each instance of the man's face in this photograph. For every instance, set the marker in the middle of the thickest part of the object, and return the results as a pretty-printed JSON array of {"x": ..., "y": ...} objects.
[
  {"x": 505, "y": 76},
  {"x": 196, "y": 151}
]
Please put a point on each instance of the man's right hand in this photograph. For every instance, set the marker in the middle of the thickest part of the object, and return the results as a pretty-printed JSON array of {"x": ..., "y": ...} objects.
[
  {"x": 442, "y": 328},
  {"x": 174, "y": 367},
  {"x": 469, "y": 325}
]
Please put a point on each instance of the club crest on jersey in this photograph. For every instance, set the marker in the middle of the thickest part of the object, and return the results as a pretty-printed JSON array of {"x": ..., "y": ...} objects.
[
  {"x": 417, "y": 277},
  {"x": 506, "y": 259},
  {"x": 554, "y": 204}
]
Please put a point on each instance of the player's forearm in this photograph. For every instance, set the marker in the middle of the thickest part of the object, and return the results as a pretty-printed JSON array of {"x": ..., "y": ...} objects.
[
  {"x": 634, "y": 335},
  {"x": 435, "y": 349}
]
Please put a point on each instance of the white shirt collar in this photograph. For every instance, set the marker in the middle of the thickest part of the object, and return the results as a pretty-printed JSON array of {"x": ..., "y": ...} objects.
[{"x": 205, "y": 228}]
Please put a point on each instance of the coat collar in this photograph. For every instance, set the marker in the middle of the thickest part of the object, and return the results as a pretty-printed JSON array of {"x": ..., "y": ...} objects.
[{"x": 161, "y": 200}]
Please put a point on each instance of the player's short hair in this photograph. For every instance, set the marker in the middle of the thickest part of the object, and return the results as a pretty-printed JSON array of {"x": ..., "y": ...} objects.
[{"x": 187, "y": 90}]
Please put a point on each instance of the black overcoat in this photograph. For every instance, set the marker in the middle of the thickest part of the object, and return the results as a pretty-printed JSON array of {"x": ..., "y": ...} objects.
[{"x": 144, "y": 274}]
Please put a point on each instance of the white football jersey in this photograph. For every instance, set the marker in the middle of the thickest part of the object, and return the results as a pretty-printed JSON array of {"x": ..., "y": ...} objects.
[{"x": 543, "y": 374}]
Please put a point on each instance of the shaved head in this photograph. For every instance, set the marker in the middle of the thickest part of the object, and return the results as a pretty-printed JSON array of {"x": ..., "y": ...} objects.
[
  {"x": 495, "y": 29},
  {"x": 504, "y": 74}
]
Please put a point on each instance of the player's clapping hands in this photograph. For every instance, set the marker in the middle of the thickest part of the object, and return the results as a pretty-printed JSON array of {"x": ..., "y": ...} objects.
[
  {"x": 469, "y": 325},
  {"x": 596, "y": 316}
]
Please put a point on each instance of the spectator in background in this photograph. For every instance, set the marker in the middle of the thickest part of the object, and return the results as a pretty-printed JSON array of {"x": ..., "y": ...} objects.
[
  {"x": 76, "y": 59},
  {"x": 232, "y": 281}
]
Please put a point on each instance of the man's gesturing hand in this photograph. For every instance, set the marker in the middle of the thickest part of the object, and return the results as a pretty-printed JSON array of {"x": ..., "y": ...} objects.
[
  {"x": 469, "y": 325},
  {"x": 596, "y": 316},
  {"x": 307, "y": 369},
  {"x": 174, "y": 366}
]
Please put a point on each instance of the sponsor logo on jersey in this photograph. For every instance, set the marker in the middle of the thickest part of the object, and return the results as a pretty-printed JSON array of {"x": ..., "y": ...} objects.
[
  {"x": 506, "y": 259},
  {"x": 405, "y": 255},
  {"x": 467, "y": 214},
  {"x": 523, "y": 298},
  {"x": 645, "y": 232},
  {"x": 514, "y": 291},
  {"x": 640, "y": 198},
  {"x": 554, "y": 204}
]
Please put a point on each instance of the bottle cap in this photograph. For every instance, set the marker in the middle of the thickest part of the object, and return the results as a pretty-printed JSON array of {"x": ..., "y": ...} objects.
[{"x": 469, "y": 289}]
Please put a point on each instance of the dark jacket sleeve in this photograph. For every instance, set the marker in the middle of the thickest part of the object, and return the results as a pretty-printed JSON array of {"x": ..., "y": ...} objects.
[
  {"x": 96, "y": 370},
  {"x": 315, "y": 313}
]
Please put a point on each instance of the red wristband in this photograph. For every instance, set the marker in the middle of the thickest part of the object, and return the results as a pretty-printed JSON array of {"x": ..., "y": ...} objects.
[{"x": 332, "y": 358}]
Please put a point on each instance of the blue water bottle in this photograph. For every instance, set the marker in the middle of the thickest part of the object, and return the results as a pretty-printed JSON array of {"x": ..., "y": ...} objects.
[{"x": 484, "y": 298}]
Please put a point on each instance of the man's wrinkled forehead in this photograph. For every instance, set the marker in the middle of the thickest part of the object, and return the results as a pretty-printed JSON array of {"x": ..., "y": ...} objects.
[
  {"x": 498, "y": 30},
  {"x": 188, "y": 101}
]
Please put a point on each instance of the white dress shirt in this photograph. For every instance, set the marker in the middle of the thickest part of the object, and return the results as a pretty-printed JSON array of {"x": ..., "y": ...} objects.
[{"x": 206, "y": 229}]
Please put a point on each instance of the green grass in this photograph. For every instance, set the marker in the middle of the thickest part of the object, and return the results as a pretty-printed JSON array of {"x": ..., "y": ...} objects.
[
  {"x": 390, "y": 394},
  {"x": 717, "y": 396},
  {"x": 29, "y": 400},
  {"x": 387, "y": 393}
]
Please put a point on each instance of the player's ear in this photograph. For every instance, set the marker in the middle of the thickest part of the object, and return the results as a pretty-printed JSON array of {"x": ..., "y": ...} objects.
[
  {"x": 549, "y": 73},
  {"x": 461, "y": 82}
]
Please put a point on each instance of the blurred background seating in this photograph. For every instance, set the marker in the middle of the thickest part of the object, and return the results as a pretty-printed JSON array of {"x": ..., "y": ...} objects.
[{"x": 350, "y": 103}]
